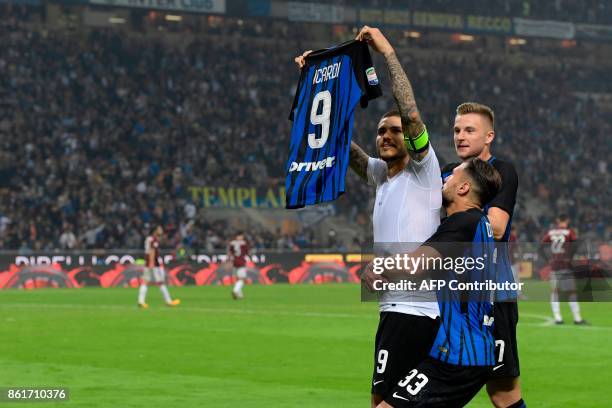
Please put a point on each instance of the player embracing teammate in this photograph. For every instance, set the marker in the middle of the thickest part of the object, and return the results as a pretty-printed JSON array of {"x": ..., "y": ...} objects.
[
  {"x": 406, "y": 211},
  {"x": 473, "y": 133},
  {"x": 460, "y": 359}
]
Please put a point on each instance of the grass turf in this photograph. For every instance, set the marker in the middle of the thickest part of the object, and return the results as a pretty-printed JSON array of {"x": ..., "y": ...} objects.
[{"x": 283, "y": 346}]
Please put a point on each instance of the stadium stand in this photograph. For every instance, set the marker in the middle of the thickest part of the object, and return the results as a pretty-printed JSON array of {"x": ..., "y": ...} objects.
[{"x": 103, "y": 132}]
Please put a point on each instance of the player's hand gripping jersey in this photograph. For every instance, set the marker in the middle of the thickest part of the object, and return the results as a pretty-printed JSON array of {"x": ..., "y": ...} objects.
[{"x": 332, "y": 82}]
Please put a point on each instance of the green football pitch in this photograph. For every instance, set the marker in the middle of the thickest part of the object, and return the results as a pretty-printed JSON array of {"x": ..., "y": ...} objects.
[{"x": 282, "y": 346}]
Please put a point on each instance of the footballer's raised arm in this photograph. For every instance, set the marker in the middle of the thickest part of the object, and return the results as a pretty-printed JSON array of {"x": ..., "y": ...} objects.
[{"x": 415, "y": 133}]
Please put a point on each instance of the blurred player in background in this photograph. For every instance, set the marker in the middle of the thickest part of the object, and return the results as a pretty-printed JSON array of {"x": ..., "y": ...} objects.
[
  {"x": 561, "y": 239},
  {"x": 237, "y": 251},
  {"x": 154, "y": 272},
  {"x": 473, "y": 134}
]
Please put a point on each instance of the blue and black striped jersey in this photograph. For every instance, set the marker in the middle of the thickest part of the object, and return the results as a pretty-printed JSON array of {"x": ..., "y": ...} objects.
[
  {"x": 506, "y": 200},
  {"x": 332, "y": 82},
  {"x": 465, "y": 336}
]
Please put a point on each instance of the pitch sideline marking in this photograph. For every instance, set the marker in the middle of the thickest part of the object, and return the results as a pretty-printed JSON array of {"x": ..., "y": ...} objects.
[
  {"x": 546, "y": 320},
  {"x": 188, "y": 308},
  {"x": 550, "y": 322}
]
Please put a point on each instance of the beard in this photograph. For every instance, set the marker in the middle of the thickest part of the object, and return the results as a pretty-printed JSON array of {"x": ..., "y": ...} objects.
[
  {"x": 446, "y": 201},
  {"x": 390, "y": 158}
]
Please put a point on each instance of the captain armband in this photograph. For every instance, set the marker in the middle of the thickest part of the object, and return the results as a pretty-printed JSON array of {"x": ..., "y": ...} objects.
[{"x": 418, "y": 144}]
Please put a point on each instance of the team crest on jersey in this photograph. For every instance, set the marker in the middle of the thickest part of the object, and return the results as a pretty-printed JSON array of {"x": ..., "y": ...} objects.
[{"x": 371, "y": 75}]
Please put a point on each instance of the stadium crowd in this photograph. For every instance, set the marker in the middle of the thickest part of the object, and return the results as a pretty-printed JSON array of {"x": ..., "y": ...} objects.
[{"x": 102, "y": 135}]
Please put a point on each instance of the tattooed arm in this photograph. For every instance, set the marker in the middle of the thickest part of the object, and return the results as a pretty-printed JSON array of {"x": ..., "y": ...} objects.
[
  {"x": 412, "y": 125},
  {"x": 358, "y": 160},
  {"x": 403, "y": 94}
]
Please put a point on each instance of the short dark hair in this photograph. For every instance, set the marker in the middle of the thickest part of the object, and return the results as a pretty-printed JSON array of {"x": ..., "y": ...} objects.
[
  {"x": 486, "y": 179},
  {"x": 563, "y": 218},
  {"x": 392, "y": 112}
]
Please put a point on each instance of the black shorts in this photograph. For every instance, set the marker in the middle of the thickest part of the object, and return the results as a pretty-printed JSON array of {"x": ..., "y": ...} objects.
[
  {"x": 436, "y": 384},
  {"x": 506, "y": 348},
  {"x": 402, "y": 342}
]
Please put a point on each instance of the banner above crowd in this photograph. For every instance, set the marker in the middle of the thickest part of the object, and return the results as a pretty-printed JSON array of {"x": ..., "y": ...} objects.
[
  {"x": 400, "y": 18},
  {"x": 188, "y": 6},
  {"x": 594, "y": 32},
  {"x": 238, "y": 197},
  {"x": 22, "y": 2},
  {"x": 314, "y": 12},
  {"x": 442, "y": 21},
  {"x": 502, "y": 25},
  {"x": 423, "y": 19},
  {"x": 546, "y": 29}
]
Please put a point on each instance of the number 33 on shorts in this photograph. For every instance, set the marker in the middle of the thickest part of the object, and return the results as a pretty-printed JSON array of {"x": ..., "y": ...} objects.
[{"x": 414, "y": 387}]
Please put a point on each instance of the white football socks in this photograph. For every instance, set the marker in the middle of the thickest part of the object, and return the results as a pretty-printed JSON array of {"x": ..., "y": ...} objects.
[
  {"x": 238, "y": 286},
  {"x": 142, "y": 294},
  {"x": 165, "y": 293},
  {"x": 556, "y": 306},
  {"x": 575, "y": 307}
]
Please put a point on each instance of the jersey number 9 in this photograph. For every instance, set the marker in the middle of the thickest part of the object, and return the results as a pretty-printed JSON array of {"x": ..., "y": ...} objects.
[{"x": 322, "y": 119}]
